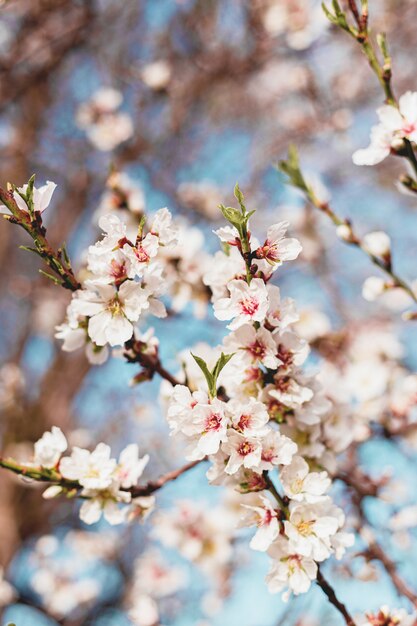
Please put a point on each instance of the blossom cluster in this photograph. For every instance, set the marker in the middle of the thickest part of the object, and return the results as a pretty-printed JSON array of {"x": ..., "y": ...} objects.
[
  {"x": 103, "y": 481},
  {"x": 124, "y": 281},
  {"x": 263, "y": 412},
  {"x": 106, "y": 127},
  {"x": 153, "y": 580},
  {"x": 185, "y": 260}
]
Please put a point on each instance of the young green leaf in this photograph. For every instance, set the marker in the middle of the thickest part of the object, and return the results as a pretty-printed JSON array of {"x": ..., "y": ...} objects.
[
  {"x": 291, "y": 167},
  {"x": 240, "y": 198},
  {"x": 207, "y": 374},
  {"x": 212, "y": 376},
  {"x": 232, "y": 215},
  {"x": 222, "y": 361}
]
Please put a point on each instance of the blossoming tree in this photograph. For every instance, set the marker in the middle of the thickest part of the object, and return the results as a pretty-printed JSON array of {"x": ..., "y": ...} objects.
[{"x": 276, "y": 410}]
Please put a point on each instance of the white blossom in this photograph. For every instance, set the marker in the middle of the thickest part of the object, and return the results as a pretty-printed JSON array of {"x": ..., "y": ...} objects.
[
  {"x": 277, "y": 449},
  {"x": 206, "y": 430},
  {"x": 111, "y": 312},
  {"x": 389, "y": 617},
  {"x": 49, "y": 448},
  {"x": 281, "y": 313},
  {"x": 300, "y": 484},
  {"x": 255, "y": 345},
  {"x": 93, "y": 470},
  {"x": 163, "y": 227},
  {"x": 41, "y": 197},
  {"x": 289, "y": 571},
  {"x": 157, "y": 74},
  {"x": 106, "y": 127},
  {"x": 377, "y": 243},
  {"x": 373, "y": 287},
  {"x": 277, "y": 248},
  {"x": 249, "y": 418},
  {"x": 130, "y": 467},
  {"x": 264, "y": 516},
  {"x": 242, "y": 451},
  {"x": 245, "y": 303},
  {"x": 104, "y": 503},
  {"x": 394, "y": 125},
  {"x": 309, "y": 530}
]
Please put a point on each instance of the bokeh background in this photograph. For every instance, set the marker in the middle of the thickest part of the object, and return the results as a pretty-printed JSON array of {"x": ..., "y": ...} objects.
[{"x": 216, "y": 90}]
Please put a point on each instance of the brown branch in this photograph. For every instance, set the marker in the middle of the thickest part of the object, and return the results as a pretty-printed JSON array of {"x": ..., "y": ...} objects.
[
  {"x": 53, "y": 477},
  {"x": 354, "y": 10},
  {"x": 363, "y": 486},
  {"x": 152, "y": 486},
  {"x": 375, "y": 551},
  {"x": 32, "y": 224},
  {"x": 333, "y": 599}
]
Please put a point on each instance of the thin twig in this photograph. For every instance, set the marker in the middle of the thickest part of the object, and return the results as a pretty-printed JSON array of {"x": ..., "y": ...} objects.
[
  {"x": 326, "y": 587},
  {"x": 53, "y": 477}
]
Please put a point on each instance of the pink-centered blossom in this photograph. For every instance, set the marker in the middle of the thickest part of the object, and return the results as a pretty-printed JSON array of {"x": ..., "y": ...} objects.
[{"x": 246, "y": 303}]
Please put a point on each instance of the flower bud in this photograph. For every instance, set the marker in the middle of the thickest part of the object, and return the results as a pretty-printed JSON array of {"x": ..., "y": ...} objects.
[
  {"x": 344, "y": 232},
  {"x": 373, "y": 287},
  {"x": 52, "y": 492},
  {"x": 377, "y": 243}
]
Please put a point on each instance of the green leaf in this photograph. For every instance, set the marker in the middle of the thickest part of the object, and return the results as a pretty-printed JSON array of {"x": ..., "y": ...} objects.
[
  {"x": 207, "y": 374},
  {"x": 332, "y": 18},
  {"x": 139, "y": 236},
  {"x": 240, "y": 198},
  {"x": 31, "y": 184},
  {"x": 383, "y": 46},
  {"x": 233, "y": 216},
  {"x": 223, "y": 360},
  {"x": 291, "y": 167},
  {"x": 66, "y": 255},
  {"x": 338, "y": 17},
  {"x": 29, "y": 194},
  {"x": 211, "y": 377},
  {"x": 29, "y": 249},
  {"x": 51, "y": 277}
]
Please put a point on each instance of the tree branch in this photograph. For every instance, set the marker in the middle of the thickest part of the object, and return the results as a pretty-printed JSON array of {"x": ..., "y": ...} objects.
[{"x": 333, "y": 599}]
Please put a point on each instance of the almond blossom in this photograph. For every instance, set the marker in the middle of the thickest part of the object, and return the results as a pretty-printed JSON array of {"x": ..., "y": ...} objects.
[
  {"x": 264, "y": 516},
  {"x": 245, "y": 303},
  {"x": 41, "y": 197},
  {"x": 277, "y": 449},
  {"x": 111, "y": 312},
  {"x": 207, "y": 429},
  {"x": 281, "y": 313},
  {"x": 290, "y": 571},
  {"x": 255, "y": 345},
  {"x": 395, "y": 125},
  {"x": 249, "y": 418},
  {"x": 106, "y": 127},
  {"x": 301, "y": 484},
  {"x": 93, "y": 470},
  {"x": 389, "y": 617},
  {"x": 309, "y": 530},
  {"x": 278, "y": 248},
  {"x": 130, "y": 466},
  {"x": 104, "y": 502},
  {"x": 49, "y": 448},
  {"x": 242, "y": 451}
]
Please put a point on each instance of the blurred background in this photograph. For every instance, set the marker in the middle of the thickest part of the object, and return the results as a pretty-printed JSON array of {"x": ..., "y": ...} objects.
[{"x": 208, "y": 92}]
